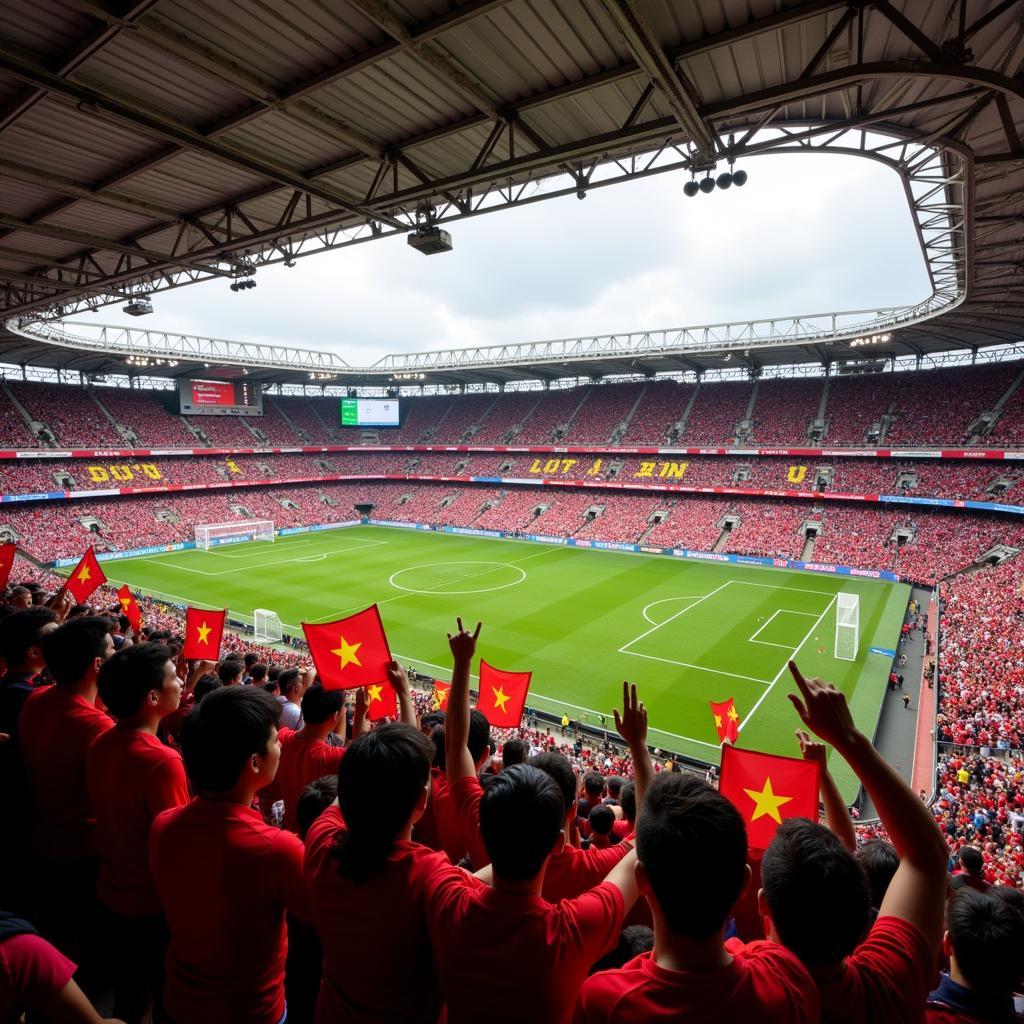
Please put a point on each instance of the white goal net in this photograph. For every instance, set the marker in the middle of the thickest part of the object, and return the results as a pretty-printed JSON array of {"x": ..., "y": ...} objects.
[
  {"x": 847, "y": 626},
  {"x": 266, "y": 626},
  {"x": 211, "y": 534}
]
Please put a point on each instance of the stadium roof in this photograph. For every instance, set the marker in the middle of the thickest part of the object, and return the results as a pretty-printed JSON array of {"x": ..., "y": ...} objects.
[{"x": 145, "y": 145}]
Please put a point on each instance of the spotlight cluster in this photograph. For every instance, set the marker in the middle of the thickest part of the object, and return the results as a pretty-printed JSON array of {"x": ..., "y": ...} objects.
[
  {"x": 238, "y": 286},
  {"x": 707, "y": 184},
  {"x": 871, "y": 339},
  {"x": 147, "y": 361}
]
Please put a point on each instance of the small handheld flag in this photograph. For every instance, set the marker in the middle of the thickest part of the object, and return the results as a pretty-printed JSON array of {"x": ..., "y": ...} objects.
[
  {"x": 351, "y": 652},
  {"x": 727, "y": 720},
  {"x": 130, "y": 608},
  {"x": 767, "y": 789},
  {"x": 7, "y": 552},
  {"x": 441, "y": 691},
  {"x": 203, "y": 632},
  {"x": 502, "y": 695},
  {"x": 382, "y": 701},
  {"x": 86, "y": 579}
]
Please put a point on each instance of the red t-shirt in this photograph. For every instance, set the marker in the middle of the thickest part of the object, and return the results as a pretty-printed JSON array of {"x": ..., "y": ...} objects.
[
  {"x": 56, "y": 729},
  {"x": 302, "y": 761},
  {"x": 132, "y": 778},
  {"x": 426, "y": 828},
  {"x": 225, "y": 880},
  {"x": 369, "y": 928},
  {"x": 464, "y": 800},
  {"x": 31, "y": 971},
  {"x": 573, "y": 871},
  {"x": 886, "y": 978},
  {"x": 510, "y": 958},
  {"x": 764, "y": 982}
]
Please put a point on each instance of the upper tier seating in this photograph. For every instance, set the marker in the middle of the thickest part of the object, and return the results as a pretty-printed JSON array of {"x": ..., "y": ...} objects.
[{"x": 69, "y": 412}]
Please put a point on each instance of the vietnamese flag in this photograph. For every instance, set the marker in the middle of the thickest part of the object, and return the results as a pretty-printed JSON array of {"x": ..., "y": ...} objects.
[
  {"x": 351, "y": 652},
  {"x": 381, "y": 701},
  {"x": 441, "y": 691},
  {"x": 87, "y": 578},
  {"x": 767, "y": 789},
  {"x": 502, "y": 695},
  {"x": 203, "y": 632},
  {"x": 130, "y": 608},
  {"x": 7, "y": 552},
  {"x": 727, "y": 720}
]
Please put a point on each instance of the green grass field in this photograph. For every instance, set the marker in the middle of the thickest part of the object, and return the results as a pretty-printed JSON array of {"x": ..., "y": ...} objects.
[{"x": 582, "y": 621}]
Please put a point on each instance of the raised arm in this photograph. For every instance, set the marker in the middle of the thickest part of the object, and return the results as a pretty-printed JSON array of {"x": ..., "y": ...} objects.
[
  {"x": 359, "y": 715},
  {"x": 918, "y": 889},
  {"x": 632, "y": 726},
  {"x": 837, "y": 817},
  {"x": 400, "y": 681},
  {"x": 459, "y": 762}
]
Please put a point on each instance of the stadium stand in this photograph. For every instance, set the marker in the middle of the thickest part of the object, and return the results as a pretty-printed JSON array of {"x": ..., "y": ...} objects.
[
  {"x": 147, "y": 416},
  {"x": 716, "y": 414},
  {"x": 784, "y": 412},
  {"x": 70, "y": 413},
  {"x": 550, "y": 420},
  {"x": 662, "y": 406}
]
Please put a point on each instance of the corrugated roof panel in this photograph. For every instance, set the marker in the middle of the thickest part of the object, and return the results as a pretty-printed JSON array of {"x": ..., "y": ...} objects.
[
  {"x": 288, "y": 142},
  {"x": 104, "y": 221},
  {"x": 45, "y": 27}
]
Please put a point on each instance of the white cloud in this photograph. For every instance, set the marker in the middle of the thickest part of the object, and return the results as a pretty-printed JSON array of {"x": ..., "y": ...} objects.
[{"x": 807, "y": 234}]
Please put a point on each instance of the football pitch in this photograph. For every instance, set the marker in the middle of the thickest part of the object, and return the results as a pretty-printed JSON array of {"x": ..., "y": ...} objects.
[{"x": 581, "y": 620}]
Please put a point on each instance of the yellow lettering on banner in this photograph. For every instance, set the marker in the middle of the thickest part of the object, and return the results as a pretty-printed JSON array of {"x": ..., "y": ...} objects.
[
  {"x": 646, "y": 469},
  {"x": 567, "y": 464},
  {"x": 551, "y": 466},
  {"x": 122, "y": 473},
  {"x": 233, "y": 466},
  {"x": 151, "y": 470},
  {"x": 673, "y": 470},
  {"x": 595, "y": 468},
  {"x": 98, "y": 474},
  {"x": 796, "y": 474},
  {"x": 536, "y": 468}
]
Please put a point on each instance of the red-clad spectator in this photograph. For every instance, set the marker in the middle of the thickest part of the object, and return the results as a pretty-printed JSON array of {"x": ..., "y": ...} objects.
[
  {"x": 132, "y": 778},
  {"x": 224, "y": 877}
]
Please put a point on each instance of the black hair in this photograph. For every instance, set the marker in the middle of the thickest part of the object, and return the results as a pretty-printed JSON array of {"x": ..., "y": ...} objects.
[
  {"x": 627, "y": 801},
  {"x": 289, "y": 678},
  {"x": 205, "y": 684},
  {"x": 972, "y": 860},
  {"x": 381, "y": 778},
  {"x": 687, "y": 830},
  {"x": 21, "y": 630},
  {"x": 513, "y": 752},
  {"x": 593, "y": 784},
  {"x": 479, "y": 738},
  {"x": 71, "y": 649},
  {"x": 614, "y": 786},
  {"x": 223, "y": 731},
  {"x": 229, "y": 670},
  {"x": 521, "y": 815},
  {"x": 805, "y": 868},
  {"x": 879, "y": 860},
  {"x": 633, "y": 941},
  {"x": 314, "y": 800},
  {"x": 124, "y": 623},
  {"x": 127, "y": 677},
  {"x": 273, "y": 672},
  {"x": 249, "y": 659},
  {"x": 320, "y": 705},
  {"x": 440, "y": 759},
  {"x": 430, "y": 719},
  {"x": 601, "y": 820},
  {"x": 987, "y": 933},
  {"x": 258, "y": 673},
  {"x": 558, "y": 767},
  {"x": 273, "y": 687}
]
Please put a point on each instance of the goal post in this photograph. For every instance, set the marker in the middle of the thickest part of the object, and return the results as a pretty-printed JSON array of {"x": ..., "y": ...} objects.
[
  {"x": 847, "y": 626},
  {"x": 266, "y": 626},
  {"x": 209, "y": 535}
]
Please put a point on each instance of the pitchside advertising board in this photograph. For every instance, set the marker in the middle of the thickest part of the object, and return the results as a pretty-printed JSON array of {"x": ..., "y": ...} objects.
[
  {"x": 219, "y": 398},
  {"x": 369, "y": 412}
]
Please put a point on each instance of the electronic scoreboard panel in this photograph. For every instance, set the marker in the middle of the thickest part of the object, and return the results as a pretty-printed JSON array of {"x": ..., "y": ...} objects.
[
  {"x": 369, "y": 412},
  {"x": 220, "y": 398}
]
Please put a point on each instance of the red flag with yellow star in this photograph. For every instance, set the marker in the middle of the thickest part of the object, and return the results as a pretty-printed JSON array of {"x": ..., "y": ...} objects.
[
  {"x": 130, "y": 608},
  {"x": 767, "y": 789},
  {"x": 441, "y": 691},
  {"x": 87, "y": 577},
  {"x": 203, "y": 632},
  {"x": 727, "y": 720},
  {"x": 381, "y": 701},
  {"x": 502, "y": 695},
  {"x": 7, "y": 553},
  {"x": 351, "y": 652}
]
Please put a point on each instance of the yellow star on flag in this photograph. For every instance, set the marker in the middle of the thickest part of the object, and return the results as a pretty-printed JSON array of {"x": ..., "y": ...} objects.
[
  {"x": 347, "y": 653},
  {"x": 732, "y": 714},
  {"x": 204, "y": 631},
  {"x": 766, "y": 803},
  {"x": 85, "y": 574},
  {"x": 500, "y": 698},
  {"x": 374, "y": 691},
  {"x": 125, "y": 602},
  {"x": 718, "y": 721}
]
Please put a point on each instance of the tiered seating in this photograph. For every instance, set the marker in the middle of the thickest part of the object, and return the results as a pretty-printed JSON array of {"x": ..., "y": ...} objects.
[
  {"x": 855, "y": 404},
  {"x": 768, "y": 530},
  {"x": 69, "y": 412},
  {"x": 13, "y": 428},
  {"x": 328, "y": 411},
  {"x": 554, "y": 409},
  {"x": 693, "y": 524},
  {"x": 948, "y": 541},
  {"x": 146, "y": 414},
  {"x": 300, "y": 412},
  {"x": 624, "y": 520},
  {"x": 565, "y": 517},
  {"x": 662, "y": 406},
  {"x": 784, "y": 410},
  {"x": 606, "y": 408},
  {"x": 274, "y": 426},
  {"x": 514, "y": 512},
  {"x": 225, "y": 431},
  {"x": 420, "y": 414},
  {"x": 716, "y": 411},
  {"x": 1009, "y": 428},
  {"x": 508, "y": 412},
  {"x": 466, "y": 412}
]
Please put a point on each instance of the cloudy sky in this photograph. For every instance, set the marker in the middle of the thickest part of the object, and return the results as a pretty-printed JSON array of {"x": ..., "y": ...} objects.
[{"x": 807, "y": 234}]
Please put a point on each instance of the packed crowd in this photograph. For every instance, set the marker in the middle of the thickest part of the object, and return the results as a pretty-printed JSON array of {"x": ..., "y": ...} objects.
[{"x": 176, "y": 848}]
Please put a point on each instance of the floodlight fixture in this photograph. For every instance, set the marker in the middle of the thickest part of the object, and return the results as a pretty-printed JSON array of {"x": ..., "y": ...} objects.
[
  {"x": 739, "y": 178},
  {"x": 724, "y": 180},
  {"x": 707, "y": 185},
  {"x": 691, "y": 188}
]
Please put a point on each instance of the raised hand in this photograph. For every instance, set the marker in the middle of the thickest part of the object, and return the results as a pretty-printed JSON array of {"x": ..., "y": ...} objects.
[
  {"x": 823, "y": 710},
  {"x": 632, "y": 722},
  {"x": 398, "y": 677},
  {"x": 810, "y": 749},
  {"x": 463, "y": 643}
]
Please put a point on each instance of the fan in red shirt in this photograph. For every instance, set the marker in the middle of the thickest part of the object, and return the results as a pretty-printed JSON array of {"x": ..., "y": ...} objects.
[
  {"x": 368, "y": 879},
  {"x": 984, "y": 941},
  {"x": 58, "y": 726},
  {"x": 132, "y": 778},
  {"x": 887, "y": 975},
  {"x": 225, "y": 878},
  {"x": 502, "y": 945}
]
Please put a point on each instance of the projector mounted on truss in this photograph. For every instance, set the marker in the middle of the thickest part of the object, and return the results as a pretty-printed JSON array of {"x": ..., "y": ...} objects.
[
  {"x": 242, "y": 270},
  {"x": 138, "y": 305},
  {"x": 427, "y": 237}
]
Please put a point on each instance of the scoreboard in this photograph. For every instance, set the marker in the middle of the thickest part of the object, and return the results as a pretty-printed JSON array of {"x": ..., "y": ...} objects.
[{"x": 220, "y": 398}]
